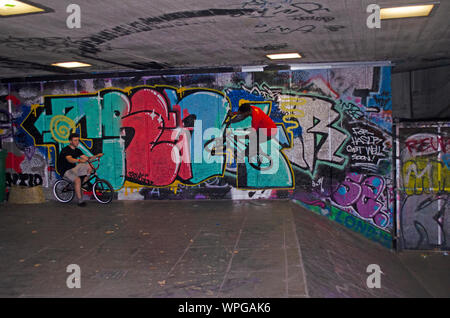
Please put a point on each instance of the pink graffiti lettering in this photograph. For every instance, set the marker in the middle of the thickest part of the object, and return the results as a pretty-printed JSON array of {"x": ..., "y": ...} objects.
[{"x": 156, "y": 155}]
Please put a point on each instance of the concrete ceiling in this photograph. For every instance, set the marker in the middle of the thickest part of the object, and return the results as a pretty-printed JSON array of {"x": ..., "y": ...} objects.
[{"x": 117, "y": 35}]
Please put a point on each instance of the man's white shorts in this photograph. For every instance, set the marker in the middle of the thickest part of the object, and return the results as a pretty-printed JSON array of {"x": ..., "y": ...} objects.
[{"x": 81, "y": 169}]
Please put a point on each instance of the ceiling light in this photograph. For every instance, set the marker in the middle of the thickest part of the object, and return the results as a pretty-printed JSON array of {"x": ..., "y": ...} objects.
[
  {"x": 283, "y": 56},
  {"x": 254, "y": 68},
  {"x": 71, "y": 64},
  {"x": 13, "y": 8},
  {"x": 406, "y": 12}
]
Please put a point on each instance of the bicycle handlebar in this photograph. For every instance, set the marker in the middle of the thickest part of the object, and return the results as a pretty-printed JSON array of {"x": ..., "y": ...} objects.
[{"x": 94, "y": 160}]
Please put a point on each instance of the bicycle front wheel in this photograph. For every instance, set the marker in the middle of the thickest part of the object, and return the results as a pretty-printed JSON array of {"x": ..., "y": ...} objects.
[
  {"x": 63, "y": 190},
  {"x": 103, "y": 191}
]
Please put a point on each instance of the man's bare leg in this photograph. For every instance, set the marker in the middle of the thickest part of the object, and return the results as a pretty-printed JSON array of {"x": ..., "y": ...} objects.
[
  {"x": 77, "y": 183},
  {"x": 86, "y": 177}
]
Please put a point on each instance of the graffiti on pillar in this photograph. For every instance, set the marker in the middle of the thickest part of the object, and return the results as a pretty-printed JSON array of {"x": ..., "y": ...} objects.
[
  {"x": 23, "y": 179},
  {"x": 425, "y": 185},
  {"x": 6, "y": 130},
  {"x": 20, "y": 170},
  {"x": 427, "y": 144},
  {"x": 425, "y": 175}
]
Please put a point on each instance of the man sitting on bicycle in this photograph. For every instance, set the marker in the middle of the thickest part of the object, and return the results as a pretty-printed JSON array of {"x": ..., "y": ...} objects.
[{"x": 72, "y": 164}]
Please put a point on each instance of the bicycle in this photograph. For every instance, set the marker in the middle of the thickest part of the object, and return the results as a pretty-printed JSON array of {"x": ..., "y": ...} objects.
[{"x": 102, "y": 190}]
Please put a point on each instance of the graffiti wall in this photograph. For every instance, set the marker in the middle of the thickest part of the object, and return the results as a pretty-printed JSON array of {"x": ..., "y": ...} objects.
[
  {"x": 170, "y": 137},
  {"x": 341, "y": 152},
  {"x": 424, "y": 189}
]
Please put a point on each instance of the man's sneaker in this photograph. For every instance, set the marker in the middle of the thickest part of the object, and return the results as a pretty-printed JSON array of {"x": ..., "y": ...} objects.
[{"x": 82, "y": 204}]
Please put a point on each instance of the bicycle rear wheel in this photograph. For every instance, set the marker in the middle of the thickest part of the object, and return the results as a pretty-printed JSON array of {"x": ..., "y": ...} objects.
[
  {"x": 63, "y": 190},
  {"x": 103, "y": 191}
]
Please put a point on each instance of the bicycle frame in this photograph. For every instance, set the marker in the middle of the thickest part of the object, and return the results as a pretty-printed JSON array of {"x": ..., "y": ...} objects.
[
  {"x": 94, "y": 171},
  {"x": 92, "y": 175}
]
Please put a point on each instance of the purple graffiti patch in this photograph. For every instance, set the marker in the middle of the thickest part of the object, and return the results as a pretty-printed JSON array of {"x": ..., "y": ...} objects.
[
  {"x": 29, "y": 152},
  {"x": 362, "y": 194}
]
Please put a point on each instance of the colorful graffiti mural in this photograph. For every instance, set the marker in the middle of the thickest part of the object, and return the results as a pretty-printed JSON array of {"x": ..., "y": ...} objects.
[
  {"x": 363, "y": 194},
  {"x": 147, "y": 126},
  {"x": 424, "y": 187},
  {"x": 331, "y": 149}
]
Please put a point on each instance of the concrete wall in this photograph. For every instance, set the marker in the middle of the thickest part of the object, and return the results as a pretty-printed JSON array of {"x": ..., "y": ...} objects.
[
  {"x": 332, "y": 152},
  {"x": 421, "y": 94}
]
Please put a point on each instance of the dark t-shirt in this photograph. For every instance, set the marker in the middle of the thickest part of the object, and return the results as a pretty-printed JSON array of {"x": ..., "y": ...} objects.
[{"x": 63, "y": 164}]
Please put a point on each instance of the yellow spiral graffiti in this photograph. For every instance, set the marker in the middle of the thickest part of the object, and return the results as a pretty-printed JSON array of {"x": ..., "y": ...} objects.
[
  {"x": 286, "y": 104},
  {"x": 61, "y": 127}
]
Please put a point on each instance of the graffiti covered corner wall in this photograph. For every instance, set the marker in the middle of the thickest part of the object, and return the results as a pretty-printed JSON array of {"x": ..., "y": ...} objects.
[{"x": 176, "y": 139}]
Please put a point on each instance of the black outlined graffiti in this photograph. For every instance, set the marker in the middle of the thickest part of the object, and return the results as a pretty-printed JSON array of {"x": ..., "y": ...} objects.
[
  {"x": 49, "y": 44},
  {"x": 98, "y": 42},
  {"x": 322, "y": 139},
  {"x": 268, "y": 47},
  {"x": 261, "y": 90},
  {"x": 427, "y": 210},
  {"x": 367, "y": 145},
  {"x": 293, "y": 12},
  {"x": 284, "y": 30},
  {"x": 312, "y": 18},
  {"x": 269, "y": 9},
  {"x": 23, "y": 179}
]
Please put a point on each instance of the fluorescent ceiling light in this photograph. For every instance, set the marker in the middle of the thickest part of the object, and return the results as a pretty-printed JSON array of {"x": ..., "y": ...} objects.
[
  {"x": 71, "y": 64},
  {"x": 14, "y": 7},
  {"x": 254, "y": 68},
  {"x": 283, "y": 56},
  {"x": 406, "y": 12}
]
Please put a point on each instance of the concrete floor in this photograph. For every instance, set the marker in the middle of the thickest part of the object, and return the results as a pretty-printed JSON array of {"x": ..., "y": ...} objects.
[{"x": 200, "y": 249}]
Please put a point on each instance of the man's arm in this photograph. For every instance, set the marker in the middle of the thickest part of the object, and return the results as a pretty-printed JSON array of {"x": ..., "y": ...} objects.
[
  {"x": 72, "y": 160},
  {"x": 86, "y": 158}
]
